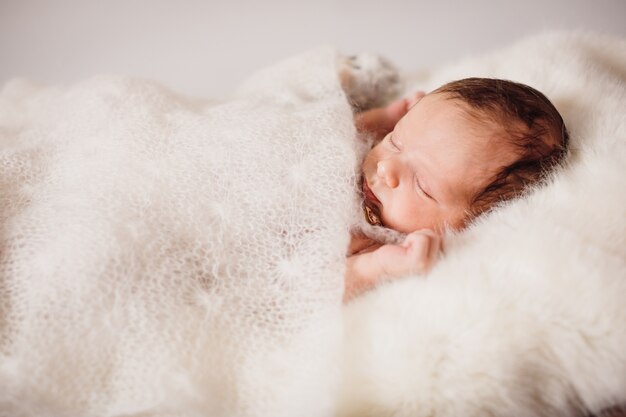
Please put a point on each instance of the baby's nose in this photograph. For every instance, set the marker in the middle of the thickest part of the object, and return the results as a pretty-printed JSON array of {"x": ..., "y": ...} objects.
[{"x": 387, "y": 171}]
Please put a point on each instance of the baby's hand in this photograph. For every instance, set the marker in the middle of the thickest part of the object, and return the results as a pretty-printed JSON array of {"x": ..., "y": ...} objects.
[
  {"x": 382, "y": 120},
  {"x": 415, "y": 255}
]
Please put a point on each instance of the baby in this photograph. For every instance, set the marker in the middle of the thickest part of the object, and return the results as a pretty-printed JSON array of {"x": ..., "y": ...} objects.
[{"x": 443, "y": 158}]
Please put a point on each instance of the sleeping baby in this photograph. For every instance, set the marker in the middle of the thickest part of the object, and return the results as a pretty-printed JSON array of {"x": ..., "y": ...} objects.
[{"x": 440, "y": 160}]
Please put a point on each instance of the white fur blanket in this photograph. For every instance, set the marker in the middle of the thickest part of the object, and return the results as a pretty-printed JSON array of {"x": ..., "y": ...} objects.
[
  {"x": 163, "y": 257},
  {"x": 526, "y": 314}
]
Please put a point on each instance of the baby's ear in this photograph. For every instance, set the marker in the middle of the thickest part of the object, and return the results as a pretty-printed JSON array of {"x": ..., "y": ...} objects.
[{"x": 414, "y": 98}]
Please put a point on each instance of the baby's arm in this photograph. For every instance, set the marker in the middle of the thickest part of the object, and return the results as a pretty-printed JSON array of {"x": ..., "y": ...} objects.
[
  {"x": 366, "y": 269},
  {"x": 382, "y": 120}
]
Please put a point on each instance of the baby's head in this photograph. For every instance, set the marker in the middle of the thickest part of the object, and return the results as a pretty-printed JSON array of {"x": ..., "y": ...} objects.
[{"x": 460, "y": 150}]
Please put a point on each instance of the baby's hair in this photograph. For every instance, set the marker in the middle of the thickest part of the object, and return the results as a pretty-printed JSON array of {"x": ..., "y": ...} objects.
[{"x": 531, "y": 124}]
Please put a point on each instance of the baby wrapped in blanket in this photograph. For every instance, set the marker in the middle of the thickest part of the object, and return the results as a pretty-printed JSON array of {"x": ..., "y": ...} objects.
[
  {"x": 445, "y": 158},
  {"x": 162, "y": 255}
]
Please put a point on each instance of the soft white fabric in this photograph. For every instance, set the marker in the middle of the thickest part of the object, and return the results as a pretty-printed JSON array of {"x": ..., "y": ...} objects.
[
  {"x": 526, "y": 313},
  {"x": 161, "y": 256}
]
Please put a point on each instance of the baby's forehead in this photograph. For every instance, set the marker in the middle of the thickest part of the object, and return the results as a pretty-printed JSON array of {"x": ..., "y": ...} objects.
[
  {"x": 471, "y": 146},
  {"x": 481, "y": 119},
  {"x": 475, "y": 129}
]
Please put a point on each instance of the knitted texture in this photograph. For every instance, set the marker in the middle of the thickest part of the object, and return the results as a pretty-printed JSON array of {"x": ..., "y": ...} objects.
[{"x": 161, "y": 254}]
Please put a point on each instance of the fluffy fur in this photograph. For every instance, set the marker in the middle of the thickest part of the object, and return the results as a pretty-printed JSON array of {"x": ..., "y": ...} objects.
[{"x": 525, "y": 313}]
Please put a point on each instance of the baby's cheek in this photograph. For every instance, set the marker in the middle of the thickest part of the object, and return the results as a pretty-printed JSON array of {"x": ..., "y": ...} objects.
[{"x": 406, "y": 215}]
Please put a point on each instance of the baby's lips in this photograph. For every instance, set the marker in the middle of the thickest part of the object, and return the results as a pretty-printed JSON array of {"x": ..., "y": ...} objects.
[{"x": 369, "y": 194}]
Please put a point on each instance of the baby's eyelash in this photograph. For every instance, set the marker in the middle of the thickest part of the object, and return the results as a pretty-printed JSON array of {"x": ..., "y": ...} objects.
[
  {"x": 421, "y": 189},
  {"x": 393, "y": 143}
]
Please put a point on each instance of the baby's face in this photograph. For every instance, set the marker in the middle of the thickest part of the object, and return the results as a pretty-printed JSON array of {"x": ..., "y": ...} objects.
[{"x": 424, "y": 173}]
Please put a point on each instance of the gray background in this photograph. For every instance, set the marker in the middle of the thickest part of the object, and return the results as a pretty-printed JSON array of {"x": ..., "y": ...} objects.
[{"x": 204, "y": 48}]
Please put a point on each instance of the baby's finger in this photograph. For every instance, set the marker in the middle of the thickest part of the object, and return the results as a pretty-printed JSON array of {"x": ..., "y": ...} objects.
[
  {"x": 395, "y": 111},
  {"x": 418, "y": 252},
  {"x": 419, "y": 234},
  {"x": 414, "y": 98},
  {"x": 370, "y": 120},
  {"x": 425, "y": 246},
  {"x": 434, "y": 249}
]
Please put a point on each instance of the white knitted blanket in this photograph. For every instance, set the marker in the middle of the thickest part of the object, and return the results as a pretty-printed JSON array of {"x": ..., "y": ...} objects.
[{"x": 161, "y": 256}]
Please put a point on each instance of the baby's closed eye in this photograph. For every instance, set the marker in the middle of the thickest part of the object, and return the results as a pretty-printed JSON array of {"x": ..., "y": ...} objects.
[{"x": 421, "y": 188}]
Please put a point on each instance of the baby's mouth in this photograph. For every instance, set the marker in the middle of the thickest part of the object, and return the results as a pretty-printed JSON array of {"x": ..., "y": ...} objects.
[
  {"x": 371, "y": 205},
  {"x": 369, "y": 195}
]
